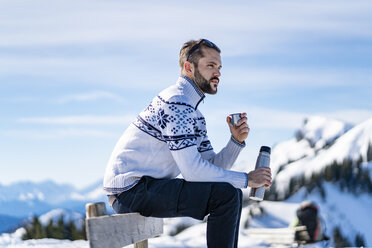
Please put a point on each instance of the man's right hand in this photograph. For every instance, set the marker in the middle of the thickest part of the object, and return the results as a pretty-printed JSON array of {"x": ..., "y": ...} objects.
[{"x": 259, "y": 177}]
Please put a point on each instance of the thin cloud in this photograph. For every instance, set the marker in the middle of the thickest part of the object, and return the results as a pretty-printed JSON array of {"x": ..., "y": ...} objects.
[
  {"x": 79, "y": 120},
  {"x": 129, "y": 22},
  {"x": 270, "y": 118},
  {"x": 298, "y": 77},
  {"x": 89, "y": 96},
  {"x": 353, "y": 116},
  {"x": 259, "y": 117},
  {"x": 57, "y": 133},
  {"x": 247, "y": 29}
]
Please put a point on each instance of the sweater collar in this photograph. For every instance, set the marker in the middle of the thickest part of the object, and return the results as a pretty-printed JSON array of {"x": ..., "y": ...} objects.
[{"x": 190, "y": 90}]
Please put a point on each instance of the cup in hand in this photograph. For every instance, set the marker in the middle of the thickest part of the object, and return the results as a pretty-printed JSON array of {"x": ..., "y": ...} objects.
[{"x": 235, "y": 118}]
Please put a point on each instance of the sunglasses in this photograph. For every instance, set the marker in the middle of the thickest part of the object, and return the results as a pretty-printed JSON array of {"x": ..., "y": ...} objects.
[{"x": 196, "y": 46}]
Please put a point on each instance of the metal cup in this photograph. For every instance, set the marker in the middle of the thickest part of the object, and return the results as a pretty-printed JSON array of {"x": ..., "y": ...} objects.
[{"x": 235, "y": 118}]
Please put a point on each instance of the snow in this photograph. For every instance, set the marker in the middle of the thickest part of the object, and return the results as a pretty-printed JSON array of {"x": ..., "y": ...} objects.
[
  {"x": 351, "y": 145},
  {"x": 14, "y": 241},
  {"x": 67, "y": 215},
  {"x": 323, "y": 141},
  {"x": 348, "y": 211},
  {"x": 287, "y": 151},
  {"x": 275, "y": 215},
  {"x": 29, "y": 196},
  {"x": 319, "y": 130}
]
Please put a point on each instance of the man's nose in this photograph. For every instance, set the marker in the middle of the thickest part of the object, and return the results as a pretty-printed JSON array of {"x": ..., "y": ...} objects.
[{"x": 217, "y": 73}]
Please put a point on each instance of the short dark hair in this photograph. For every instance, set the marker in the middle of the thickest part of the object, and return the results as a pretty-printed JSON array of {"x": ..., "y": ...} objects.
[{"x": 196, "y": 55}]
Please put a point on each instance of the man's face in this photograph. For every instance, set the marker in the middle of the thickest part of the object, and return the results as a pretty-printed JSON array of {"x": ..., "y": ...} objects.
[{"x": 207, "y": 73}]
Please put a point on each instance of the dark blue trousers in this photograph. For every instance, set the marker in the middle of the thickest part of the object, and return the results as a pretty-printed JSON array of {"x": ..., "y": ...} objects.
[{"x": 176, "y": 198}]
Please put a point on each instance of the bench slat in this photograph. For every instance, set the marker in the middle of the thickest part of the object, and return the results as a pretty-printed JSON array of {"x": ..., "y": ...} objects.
[
  {"x": 119, "y": 230},
  {"x": 276, "y": 235}
]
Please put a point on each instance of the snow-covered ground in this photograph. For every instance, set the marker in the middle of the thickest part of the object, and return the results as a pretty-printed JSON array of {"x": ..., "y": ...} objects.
[
  {"x": 319, "y": 142},
  {"x": 275, "y": 215},
  {"x": 340, "y": 209}
]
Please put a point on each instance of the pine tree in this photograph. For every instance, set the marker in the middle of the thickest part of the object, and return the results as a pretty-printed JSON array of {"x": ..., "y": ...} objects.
[
  {"x": 369, "y": 152},
  {"x": 59, "y": 229},
  {"x": 50, "y": 229},
  {"x": 73, "y": 231},
  {"x": 359, "y": 241},
  {"x": 35, "y": 230},
  {"x": 339, "y": 239}
]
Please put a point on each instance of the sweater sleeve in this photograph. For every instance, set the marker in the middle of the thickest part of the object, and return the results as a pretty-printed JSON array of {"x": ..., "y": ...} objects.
[
  {"x": 195, "y": 168},
  {"x": 179, "y": 128},
  {"x": 227, "y": 156}
]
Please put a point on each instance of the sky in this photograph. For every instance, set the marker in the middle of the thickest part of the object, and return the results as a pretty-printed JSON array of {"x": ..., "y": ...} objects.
[{"x": 75, "y": 73}]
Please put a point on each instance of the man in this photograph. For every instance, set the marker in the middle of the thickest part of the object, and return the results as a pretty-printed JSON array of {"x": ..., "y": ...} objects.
[{"x": 169, "y": 138}]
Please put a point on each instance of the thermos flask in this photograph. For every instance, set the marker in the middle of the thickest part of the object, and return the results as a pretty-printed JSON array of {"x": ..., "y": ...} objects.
[{"x": 263, "y": 160}]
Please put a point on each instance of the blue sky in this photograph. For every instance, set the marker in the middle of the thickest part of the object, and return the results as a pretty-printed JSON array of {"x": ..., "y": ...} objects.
[{"x": 73, "y": 74}]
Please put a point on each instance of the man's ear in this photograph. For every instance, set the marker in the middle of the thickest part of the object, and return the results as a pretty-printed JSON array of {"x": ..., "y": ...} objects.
[{"x": 189, "y": 67}]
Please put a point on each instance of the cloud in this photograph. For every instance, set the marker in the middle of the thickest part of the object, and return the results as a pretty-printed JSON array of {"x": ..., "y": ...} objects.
[
  {"x": 354, "y": 116},
  {"x": 79, "y": 120},
  {"x": 89, "y": 96},
  {"x": 297, "y": 77},
  {"x": 271, "y": 118},
  {"x": 71, "y": 22},
  {"x": 112, "y": 42},
  {"x": 259, "y": 117},
  {"x": 57, "y": 133}
]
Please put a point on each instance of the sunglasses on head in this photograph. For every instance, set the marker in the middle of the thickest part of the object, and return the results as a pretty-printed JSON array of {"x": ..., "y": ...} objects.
[{"x": 196, "y": 46}]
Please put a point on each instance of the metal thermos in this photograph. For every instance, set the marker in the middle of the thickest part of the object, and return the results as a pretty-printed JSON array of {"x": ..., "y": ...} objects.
[{"x": 263, "y": 160}]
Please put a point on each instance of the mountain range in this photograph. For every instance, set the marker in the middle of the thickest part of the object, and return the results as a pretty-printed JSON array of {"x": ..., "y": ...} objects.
[
  {"x": 327, "y": 161},
  {"x": 23, "y": 199},
  {"x": 319, "y": 144}
]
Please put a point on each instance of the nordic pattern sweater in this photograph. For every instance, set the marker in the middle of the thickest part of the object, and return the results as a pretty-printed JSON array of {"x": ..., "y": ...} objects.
[{"x": 170, "y": 137}]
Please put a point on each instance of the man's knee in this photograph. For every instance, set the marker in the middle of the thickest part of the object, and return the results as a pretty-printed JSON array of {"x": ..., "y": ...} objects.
[{"x": 226, "y": 193}]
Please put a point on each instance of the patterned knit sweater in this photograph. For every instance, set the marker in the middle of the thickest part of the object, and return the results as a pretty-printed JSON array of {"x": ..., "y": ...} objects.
[{"x": 170, "y": 137}]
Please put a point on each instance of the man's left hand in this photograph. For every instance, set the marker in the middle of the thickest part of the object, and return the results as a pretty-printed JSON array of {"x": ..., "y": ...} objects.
[{"x": 241, "y": 130}]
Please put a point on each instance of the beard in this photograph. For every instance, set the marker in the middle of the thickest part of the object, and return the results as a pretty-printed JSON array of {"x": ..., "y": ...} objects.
[{"x": 203, "y": 83}]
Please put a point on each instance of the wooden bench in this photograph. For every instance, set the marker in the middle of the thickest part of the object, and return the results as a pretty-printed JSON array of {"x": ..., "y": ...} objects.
[
  {"x": 280, "y": 236},
  {"x": 119, "y": 230}
]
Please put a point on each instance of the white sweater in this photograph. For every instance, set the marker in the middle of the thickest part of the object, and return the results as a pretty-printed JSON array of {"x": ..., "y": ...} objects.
[{"x": 169, "y": 137}]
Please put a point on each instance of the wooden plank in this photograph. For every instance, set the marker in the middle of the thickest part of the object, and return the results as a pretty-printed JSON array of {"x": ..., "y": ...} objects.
[
  {"x": 283, "y": 236},
  {"x": 95, "y": 209},
  {"x": 272, "y": 230},
  {"x": 142, "y": 244},
  {"x": 123, "y": 229}
]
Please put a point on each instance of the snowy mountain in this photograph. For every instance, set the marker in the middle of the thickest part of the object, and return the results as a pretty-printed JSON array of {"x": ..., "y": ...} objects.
[
  {"x": 319, "y": 143},
  {"x": 328, "y": 162},
  {"x": 56, "y": 214},
  {"x": 20, "y": 200}
]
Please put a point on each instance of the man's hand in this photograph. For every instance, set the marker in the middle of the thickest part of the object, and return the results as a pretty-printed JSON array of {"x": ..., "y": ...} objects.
[
  {"x": 241, "y": 131},
  {"x": 259, "y": 177}
]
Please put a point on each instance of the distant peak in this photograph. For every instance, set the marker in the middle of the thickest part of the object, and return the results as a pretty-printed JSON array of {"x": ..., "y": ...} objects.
[{"x": 321, "y": 131}]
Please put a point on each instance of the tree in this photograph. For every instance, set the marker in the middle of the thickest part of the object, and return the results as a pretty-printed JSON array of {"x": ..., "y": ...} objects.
[
  {"x": 339, "y": 239},
  {"x": 59, "y": 230},
  {"x": 359, "y": 241},
  {"x": 35, "y": 230},
  {"x": 369, "y": 152}
]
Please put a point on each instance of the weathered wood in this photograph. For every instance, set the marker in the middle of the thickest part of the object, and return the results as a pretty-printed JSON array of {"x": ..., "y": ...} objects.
[
  {"x": 142, "y": 244},
  {"x": 282, "y": 236},
  {"x": 95, "y": 209},
  {"x": 119, "y": 230}
]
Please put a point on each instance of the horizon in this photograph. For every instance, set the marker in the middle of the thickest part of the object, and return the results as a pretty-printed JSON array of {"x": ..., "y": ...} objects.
[{"x": 75, "y": 73}]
